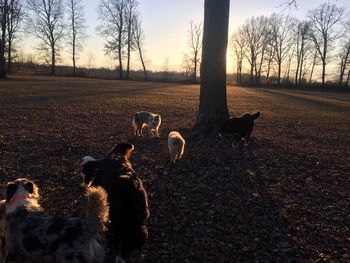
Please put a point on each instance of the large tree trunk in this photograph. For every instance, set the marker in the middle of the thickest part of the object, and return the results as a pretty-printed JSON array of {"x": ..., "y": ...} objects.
[
  {"x": 213, "y": 110},
  {"x": 2, "y": 59},
  {"x": 279, "y": 73},
  {"x": 195, "y": 68},
  {"x": 2, "y": 43},
  {"x": 142, "y": 62},
  {"x": 323, "y": 72},
  {"x": 9, "y": 57},
  {"x": 74, "y": 66},
  {"x": 347, "y": 79},
  {"x": 53, "y": 61},
  {"x": 313, "y": 67}
]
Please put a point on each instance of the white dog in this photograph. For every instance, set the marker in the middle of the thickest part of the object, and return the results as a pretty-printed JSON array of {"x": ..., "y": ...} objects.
[
  {"x": 176, "y": 145},
  {"x": 149, "y": 119}
]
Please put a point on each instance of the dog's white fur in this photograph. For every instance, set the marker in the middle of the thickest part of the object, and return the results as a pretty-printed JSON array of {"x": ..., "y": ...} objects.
[
  {"x": 176, "y": 146},
  {"x": 146, "y": 119},
  {"x": 84, "y": 161},
  {"x": 24, "y": 199}
]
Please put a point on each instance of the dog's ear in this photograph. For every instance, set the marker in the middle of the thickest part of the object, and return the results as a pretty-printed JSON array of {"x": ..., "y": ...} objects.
[
  {"x": 11, "y": 189},
  {"x": 29, "y": 186}
]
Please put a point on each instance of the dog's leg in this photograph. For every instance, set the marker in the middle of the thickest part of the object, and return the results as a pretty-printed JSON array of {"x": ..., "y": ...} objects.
[
  {"x": 141, "y": 128},
  {"x": 247, "y": 136},
  {"x": 157, "y": 133}
]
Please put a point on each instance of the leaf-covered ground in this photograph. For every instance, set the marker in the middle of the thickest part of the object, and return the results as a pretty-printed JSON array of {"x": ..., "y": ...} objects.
[{"x": 284, "y": 198}]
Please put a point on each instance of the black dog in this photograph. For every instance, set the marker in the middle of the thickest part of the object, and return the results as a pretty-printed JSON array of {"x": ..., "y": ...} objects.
[
  {"x": 127, "y": 197},
  {"x": 240, "y": 127}
]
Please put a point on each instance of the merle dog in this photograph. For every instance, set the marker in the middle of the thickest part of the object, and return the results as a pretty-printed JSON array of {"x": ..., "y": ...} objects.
[
  {"x": 240, "y": 127},
  {"x": 128, "y": 202},
  {"x": 34, "y": 235}
]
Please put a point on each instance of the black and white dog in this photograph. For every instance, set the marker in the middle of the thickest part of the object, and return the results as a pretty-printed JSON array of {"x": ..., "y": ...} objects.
[
  {"x": 33, "y": 235},
  {"x": 127, "y": 198},
  {"x": 239, "y": 127}
]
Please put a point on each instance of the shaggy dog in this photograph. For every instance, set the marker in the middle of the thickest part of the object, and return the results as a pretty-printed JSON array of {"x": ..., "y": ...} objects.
[
  {"x": 2, "y": 231},
  {"x": 176, "y": 146},
  {"x": 240, "y": 127},
  {"x": 120, "y": 150},
  {"x": 33, "y": 235},
  {"x": 144, "y": 118},
  {"x": 128, "y": 203}
]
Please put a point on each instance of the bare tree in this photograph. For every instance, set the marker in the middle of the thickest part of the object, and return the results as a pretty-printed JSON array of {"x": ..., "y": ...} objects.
[
  {"x": 15, "y": 15},
  {"x": 130, "y": 17},
  {"x": 113, "y": 28},
  {"x": 344, "y": 53},
  {"x": 324, "y": 20},
  {"x": 77, "y": 28},
  {"x": 45, "y": 20},
  {"x": 270, "y": 54},
  {"x": 281, "y": 39},
  {"x": 139, "y": 40},
  {"x": 213, "y": 111},
  {"x": 254, "y": 34},
  {"x": 90, "y": 61},
  {"x": 238, "y": 46},
  {"x": 303, "y": 48},
  {"x": 166, "y": 69},
  {"x": 4, "y": 10},
  {"x": 194, "y": 45}
]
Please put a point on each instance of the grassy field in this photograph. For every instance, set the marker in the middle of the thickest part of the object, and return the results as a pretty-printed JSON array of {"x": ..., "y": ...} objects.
[{"x": 284, "y": 198}]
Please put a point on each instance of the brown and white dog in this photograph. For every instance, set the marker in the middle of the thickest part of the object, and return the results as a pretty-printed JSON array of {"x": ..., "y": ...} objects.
[
  {"x": 176, "y": 146},
  {"x": 33, "y": 235},
  {"x": 146, "y": 119}
]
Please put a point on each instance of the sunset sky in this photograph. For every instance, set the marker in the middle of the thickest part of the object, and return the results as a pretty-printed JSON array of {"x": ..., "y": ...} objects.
[{"x": 166, "y": 23}]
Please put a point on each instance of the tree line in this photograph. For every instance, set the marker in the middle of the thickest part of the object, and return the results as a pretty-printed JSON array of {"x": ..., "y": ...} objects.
[
  {"x": 57, "y": 23},
  {"x": 281, "y": 48}
]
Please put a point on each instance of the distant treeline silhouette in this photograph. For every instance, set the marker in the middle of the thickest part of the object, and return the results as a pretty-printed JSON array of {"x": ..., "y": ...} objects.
[{"x": 282, "y": 49}]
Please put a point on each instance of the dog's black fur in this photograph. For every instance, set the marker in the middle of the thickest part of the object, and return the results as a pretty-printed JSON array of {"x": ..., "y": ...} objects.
[
  {"x": 128, "y": 202},
  {"x": 240, "y": 127}
]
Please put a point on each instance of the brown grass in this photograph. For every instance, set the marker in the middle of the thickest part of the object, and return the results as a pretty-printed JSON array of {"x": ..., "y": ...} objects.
[{"x": 284, "y": 198}]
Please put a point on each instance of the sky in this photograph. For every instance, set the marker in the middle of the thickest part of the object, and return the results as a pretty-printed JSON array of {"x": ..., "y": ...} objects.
[{"x": 166, "y": 24}]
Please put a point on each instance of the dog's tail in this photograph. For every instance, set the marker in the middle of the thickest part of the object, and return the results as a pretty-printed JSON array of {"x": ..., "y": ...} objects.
[
  {"x": 97, "y": 210},
  {"x": 256, "y": 115}
]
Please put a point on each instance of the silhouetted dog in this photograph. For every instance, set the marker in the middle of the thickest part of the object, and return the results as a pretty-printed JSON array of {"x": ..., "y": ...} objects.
[
  {"x": 33, "y": 235},
  {"x": 128, "y": 202},
  {"x": 240, "y": 127}
]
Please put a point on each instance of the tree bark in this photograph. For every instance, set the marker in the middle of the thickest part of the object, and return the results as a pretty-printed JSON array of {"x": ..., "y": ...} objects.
[
  {"x": 142, "y": 62},
  {"x": 53, "y": 61},
  {"x": 213, "y": 111},
  {"x": 3, "y": 40}
]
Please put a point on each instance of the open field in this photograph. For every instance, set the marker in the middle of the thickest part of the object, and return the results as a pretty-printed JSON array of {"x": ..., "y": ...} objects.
[{"x": 284, "y": 198}]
